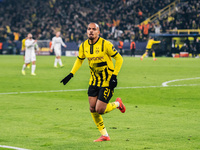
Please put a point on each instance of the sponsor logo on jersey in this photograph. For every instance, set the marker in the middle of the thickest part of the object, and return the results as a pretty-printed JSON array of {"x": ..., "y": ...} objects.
[{"x": 95, "y": 58}]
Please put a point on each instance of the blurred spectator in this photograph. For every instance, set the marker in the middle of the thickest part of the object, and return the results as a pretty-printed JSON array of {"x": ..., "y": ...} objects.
[
  {"x": 184, "y": 48},
  {"x": 145, "y": 29},
  {"x": 157, "y": 28},
  {"x": 44, "y": 18},
  {"x": 120, "y": 46},
  {"x": 175, "y": 47},
  {"x": 132, "y": 48},
  {"x": 196, "y": 47}
]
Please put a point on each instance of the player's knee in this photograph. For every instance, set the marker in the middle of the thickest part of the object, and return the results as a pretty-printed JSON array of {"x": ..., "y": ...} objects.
[
  {"x": 100, "y": 111},
  {"x": 92, "y": 109}
]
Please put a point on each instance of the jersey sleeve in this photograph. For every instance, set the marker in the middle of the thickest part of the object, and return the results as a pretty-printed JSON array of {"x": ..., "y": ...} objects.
[
  {"x": 79, "y": 59},
  {"x": 111, "y": 51},
  {"x": 63, "y": 44},
  {"x": 36, "y": 47},
  {"x": 53, "y": 43},
  {"x": 155, "y": 42},
  {"x": 81, "y": 54}
]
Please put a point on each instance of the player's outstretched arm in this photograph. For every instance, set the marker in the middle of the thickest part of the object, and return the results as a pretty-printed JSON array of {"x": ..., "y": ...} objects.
[
  {"x": 118, "y": 65},
  {"x": 75, "y": 68},
  {"x": 67, "y": 78}
]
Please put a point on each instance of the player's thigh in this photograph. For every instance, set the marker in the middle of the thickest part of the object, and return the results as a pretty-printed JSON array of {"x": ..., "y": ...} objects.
[
  {"x": 100, "y": 106},
  {"x": 57, "y": 52},
  {"x": 27, "y": 57},
  {"x": 92, "y": 102},
  {"x": 93, "y": 92},
  {"x": 105, "y": 94},
  {"x": 33, "y": 57}
]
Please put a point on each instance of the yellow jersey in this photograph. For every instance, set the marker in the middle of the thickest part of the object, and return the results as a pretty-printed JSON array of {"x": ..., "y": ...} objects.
[
  {"x": 100, "y": 62},
  {"x": 23, "y": 44},
  {"x": 150, "y": 43}
]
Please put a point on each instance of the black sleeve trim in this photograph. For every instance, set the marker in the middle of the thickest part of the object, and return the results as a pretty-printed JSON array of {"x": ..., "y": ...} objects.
[
  {"x": 110, "y": 69},
  {"x": 80, "y": 58},
  {"x": 102, "y": 46},
  {"x": 114, "y": 54},
  {"x": 83, "y": 46}
]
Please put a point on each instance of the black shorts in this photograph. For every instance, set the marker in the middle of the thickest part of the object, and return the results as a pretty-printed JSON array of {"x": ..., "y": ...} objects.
[
  {"x": 148, "y": 49},
  {"x": 104, "y": 94}
]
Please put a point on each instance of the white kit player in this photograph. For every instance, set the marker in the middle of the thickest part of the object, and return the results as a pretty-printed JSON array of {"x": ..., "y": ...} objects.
[
  {"x": 56, "y": 45},
  {"x": 30, "y": 56}
]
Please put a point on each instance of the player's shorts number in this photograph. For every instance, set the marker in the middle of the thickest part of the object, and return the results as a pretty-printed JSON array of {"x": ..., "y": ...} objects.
[{"x": 106, "y": 93}]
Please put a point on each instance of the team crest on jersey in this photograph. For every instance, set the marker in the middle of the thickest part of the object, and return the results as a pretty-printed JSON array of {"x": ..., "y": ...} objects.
[
  {"x": 97, "y": 50},
  {"x": 113, "y": 48}
]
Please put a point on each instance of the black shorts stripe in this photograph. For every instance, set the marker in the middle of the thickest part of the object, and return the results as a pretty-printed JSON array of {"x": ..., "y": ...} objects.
[
  {"x": 114, "y": 54},
  {"x": 101, "y": 78},
  {"x": 106, "y": 73},
  {"x": 102, "y": 46}
]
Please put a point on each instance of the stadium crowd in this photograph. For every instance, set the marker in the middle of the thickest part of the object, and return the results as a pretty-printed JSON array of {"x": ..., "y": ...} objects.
[{"x": 117, "y": 18}]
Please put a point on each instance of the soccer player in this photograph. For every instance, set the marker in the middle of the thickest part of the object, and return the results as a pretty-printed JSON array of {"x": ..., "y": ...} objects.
[
  {"x": 103, "y": 78},
  {"x": 30, "y": 55},
  {"x": 56, "y": 45},
  {"x": 149, "y": 48},
  {"x": 24, "y": 48}
]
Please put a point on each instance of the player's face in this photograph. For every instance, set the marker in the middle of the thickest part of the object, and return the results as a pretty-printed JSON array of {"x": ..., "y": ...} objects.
[
  {"x": 57, "y": 34},
  {"x": 93, "y": 31},
  {"x": 30, "y": 36}
]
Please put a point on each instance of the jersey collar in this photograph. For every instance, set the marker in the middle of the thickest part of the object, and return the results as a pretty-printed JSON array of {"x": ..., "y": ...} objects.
[{"x": 94, "y": 43}]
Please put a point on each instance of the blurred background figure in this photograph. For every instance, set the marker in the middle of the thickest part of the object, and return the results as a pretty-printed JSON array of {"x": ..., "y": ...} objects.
[
  {"x": 30, "y": 55},
  {"x": 149, "y": 48},
  {"x": 132, "y": 48},
  {"x": 56, "y": 45}
]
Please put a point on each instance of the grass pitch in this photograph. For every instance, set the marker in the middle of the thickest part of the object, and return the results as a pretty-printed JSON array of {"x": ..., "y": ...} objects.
[{"x": 33, "y": 116}]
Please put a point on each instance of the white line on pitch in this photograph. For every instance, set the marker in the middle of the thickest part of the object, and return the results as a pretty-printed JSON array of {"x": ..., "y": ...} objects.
[
  {"x": 165, "y": 83},
  {"x": 74, "y": 90},
  {"x": 11, "y": 147}
]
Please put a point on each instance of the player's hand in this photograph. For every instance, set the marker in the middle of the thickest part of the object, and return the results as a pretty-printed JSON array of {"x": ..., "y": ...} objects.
[
  {"x": 65, "y": 46},
  {"x": 113, "y": 81},
  {"x": 67, "y": 78},
  {"x": 51, "y": 50}
]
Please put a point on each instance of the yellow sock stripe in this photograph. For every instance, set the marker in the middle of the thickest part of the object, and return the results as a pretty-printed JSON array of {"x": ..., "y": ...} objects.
[
  {"x": 98, "y": 120},
  {"x": 110, "y": 107}
]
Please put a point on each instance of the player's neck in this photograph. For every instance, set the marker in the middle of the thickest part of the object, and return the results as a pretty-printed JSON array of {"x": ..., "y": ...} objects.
[{"x": 93, "y": 41}]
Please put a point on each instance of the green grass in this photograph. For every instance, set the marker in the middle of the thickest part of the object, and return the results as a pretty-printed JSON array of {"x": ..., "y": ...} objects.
[{"x": 157, "y": 118}]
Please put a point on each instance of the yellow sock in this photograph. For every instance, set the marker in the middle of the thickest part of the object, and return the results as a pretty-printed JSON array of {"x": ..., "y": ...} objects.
[
  {"x": 153, "y": 54},
  {"x": 28, "y": 66},
  {"x": 144, "y": 55},
  {"x": 98, "y": 120},
  {"x": 104, "y": 132},
  {"x": 111, "y": 106}
]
